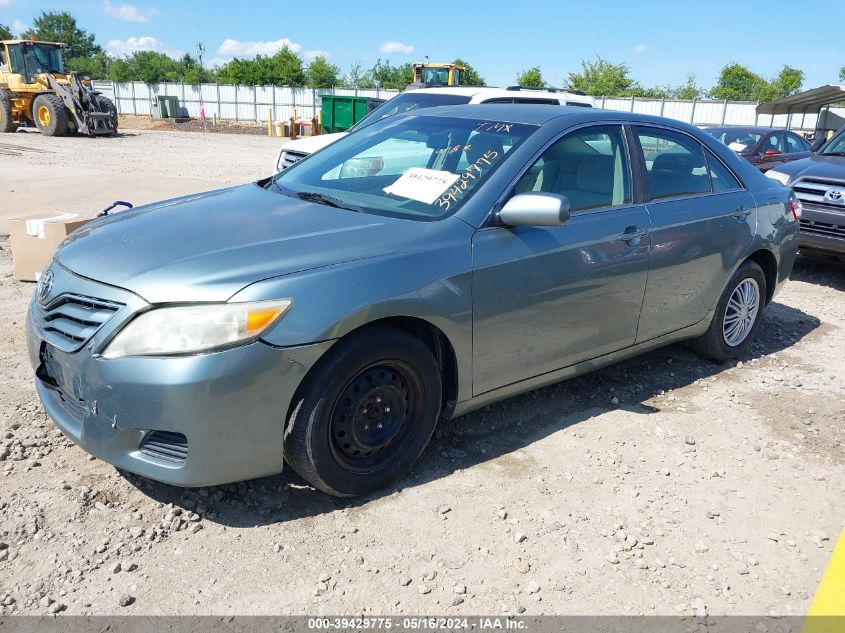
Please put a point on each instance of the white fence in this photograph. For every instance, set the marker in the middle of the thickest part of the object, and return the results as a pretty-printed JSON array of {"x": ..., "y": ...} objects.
[{"x": 251, "y": 103}]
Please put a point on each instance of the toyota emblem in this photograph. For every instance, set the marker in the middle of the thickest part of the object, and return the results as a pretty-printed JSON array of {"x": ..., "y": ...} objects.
[
  {"x": 45, "y": 285},
  {"x": 835, "y": 195}
]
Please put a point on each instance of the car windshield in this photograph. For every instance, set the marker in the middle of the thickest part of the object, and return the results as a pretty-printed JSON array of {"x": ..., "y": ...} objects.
[
  {"x": 409, "y": 101},
  {"x": 418, "y": 167},
  {"x": 737, "y": 140},
  {"x": 836, "y": 147}
]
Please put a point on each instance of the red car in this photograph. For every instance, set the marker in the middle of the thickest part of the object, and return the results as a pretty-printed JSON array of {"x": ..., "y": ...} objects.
[{"x": 764, "y": 147}]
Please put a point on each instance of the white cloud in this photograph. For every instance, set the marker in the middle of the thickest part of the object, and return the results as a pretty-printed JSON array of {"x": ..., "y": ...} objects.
[
  {"x": 6, "y": 3},
  {"x": 639, "y": 49},
  {"x": 119, "y": 48},
  {"x": 128, "y": 12},
  {"x": 236, "y": 48},
  {"x": 391, "y": 48},
  {"x": 311, "y": 55},
  {"x": 18, "y": 27}
]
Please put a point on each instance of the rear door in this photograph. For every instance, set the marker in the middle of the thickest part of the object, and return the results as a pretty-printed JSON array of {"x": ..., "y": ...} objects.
[
  {"x": 703, "y": 220},
  {"x": 548, "y": 297},
  {"x": 796, "y": 147}
]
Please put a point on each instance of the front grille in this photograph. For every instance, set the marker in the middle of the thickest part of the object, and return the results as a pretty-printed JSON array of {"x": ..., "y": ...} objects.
[
  {"x": 71, "y": 320},
  {"x": 290, "y": 158},
  {"x": 813, "y": 190},
  {"x": 823, "y": 229},
  {"x": 165, "y": 445}
]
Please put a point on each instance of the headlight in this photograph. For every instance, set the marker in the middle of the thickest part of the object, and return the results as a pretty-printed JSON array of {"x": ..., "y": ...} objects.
[
  {"x": 779, "y": 176},
  {"x": 189, "y": 329}
]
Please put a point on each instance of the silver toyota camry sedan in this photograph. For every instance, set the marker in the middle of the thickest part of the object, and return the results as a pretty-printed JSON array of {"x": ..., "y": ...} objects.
[{"x": 430, "y": 264}]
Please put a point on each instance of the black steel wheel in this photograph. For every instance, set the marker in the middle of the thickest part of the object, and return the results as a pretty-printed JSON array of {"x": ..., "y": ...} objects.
[{"x": 365, "y": 412}]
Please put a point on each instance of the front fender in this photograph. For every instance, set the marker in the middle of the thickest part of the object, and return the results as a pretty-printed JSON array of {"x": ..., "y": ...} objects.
[{"x": 430, "y": 280}]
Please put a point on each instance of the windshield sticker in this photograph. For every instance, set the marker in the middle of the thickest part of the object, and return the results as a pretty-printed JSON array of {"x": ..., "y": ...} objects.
[
  {"x": 737, "y": 147},
  {"x": 487, "y": 126},
  {"x": 423, "y": 185},
  {"x": 465, "y": 179}
]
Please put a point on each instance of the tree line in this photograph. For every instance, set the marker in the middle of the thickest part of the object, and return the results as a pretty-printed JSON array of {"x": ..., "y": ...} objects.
[{"x": 597, "y": 77}]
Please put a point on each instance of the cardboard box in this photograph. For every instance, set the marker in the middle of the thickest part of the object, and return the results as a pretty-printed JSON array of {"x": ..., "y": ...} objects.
[{"x": 35, "y": 239}]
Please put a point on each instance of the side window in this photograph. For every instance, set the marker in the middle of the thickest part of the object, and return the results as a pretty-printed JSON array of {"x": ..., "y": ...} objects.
[
  {"x": 720, "y": 176},
  {"x": 795, "y": 144},
  {"x": 536, "y": 101},
  {"x": 499, "y": 100},
  {"x": 674, "y": 162},
  {"x": 775, "y": 141},
  {"x": 589, "y": 167}
]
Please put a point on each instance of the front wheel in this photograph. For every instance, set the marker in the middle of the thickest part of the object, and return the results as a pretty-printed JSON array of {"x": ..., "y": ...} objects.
[
  {"x": 365, "y": 414},
  {"x": 50, "y": 115},
  {"x": 738, "y": 315},
  {"x": 104, "y": 104}
]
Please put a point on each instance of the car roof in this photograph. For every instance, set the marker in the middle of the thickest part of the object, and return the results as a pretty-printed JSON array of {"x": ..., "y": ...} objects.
[
  {"x": 537, "y": 114},
  {"x": 746, "y": 128},
  {"x": 487, "y": 91}
]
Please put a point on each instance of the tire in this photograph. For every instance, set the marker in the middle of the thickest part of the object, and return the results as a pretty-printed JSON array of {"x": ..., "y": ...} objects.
[
  {"x": 50, "y": 115},
  {"x": 736, "y": 319},
  {"x": 7, "y": 123},
  {"x": 104, "y": 104},
  {"x": 339, "y": 438}
]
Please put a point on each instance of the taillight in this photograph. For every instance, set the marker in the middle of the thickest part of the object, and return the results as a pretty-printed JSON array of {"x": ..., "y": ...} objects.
[{"x": 795, "y": 207}]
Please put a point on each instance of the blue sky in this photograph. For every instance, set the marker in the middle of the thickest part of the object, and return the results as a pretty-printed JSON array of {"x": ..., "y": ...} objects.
[{"x": 661, "y": 41}]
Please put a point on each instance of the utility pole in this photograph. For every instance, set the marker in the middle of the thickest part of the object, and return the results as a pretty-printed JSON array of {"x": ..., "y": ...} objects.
[{"x": 200, "y": 51}]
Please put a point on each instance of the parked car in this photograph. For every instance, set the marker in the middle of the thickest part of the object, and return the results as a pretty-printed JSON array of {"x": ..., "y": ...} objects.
[
  {"x": 819, "y": 183},
  {"x": 295, "y": 150},
  {"x": 329, "y": 320},
  {"x": 764, "y": 147}
]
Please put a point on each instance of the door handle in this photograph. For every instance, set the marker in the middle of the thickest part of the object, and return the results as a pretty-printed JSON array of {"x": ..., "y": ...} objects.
[
  {"x": 741, "y": 212},
  {"x": 632, "y": 233}
]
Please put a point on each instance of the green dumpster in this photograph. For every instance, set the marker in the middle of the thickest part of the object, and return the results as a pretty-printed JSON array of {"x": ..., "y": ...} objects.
[{"x": 341, "y": 112}]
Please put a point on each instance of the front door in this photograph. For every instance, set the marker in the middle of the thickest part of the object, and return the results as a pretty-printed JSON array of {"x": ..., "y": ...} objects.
[
  {"x": 548, "y": 297},
  {"x": 703, "y": 221}
]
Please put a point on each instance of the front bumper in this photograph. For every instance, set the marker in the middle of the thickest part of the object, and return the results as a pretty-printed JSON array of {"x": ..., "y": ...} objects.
[
  {"x": 231, "y": 406},
  {"x": 822, "y": 229}
]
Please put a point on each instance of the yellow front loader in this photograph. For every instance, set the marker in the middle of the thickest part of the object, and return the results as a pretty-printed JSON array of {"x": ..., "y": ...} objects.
[{"x": 35, "y": 89}]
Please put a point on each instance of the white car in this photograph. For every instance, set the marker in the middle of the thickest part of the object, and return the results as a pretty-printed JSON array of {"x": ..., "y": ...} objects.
[{"x": 293, "y": 151}]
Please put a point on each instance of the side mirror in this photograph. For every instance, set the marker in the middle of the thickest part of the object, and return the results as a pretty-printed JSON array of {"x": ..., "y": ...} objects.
[
  {"x": 771, "y": 152},
  {"x": 535, "y": 209}
]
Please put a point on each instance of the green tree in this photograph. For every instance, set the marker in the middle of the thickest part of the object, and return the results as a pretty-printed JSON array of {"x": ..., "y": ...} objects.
[
  {"x": 285, "y": 68},
  {"x": 470, "y": 76},
  {"x": 531, "y": 78},
  {"x": 603, "y": 78},
  {"x": 356, "y": 77},
  {"x": 788, "y": 82},
  {"x": 738, "y": 83},
  {"x": 321, "y": 74},
  {"x": 688, "y": 90},
  {"x": 61, "y": 26},
  {"x": 95, "y": 67},
  {"x": 6, "y": 33},
  {"x": 383, "y": 75},
  {"x": 842, "y": 74}
]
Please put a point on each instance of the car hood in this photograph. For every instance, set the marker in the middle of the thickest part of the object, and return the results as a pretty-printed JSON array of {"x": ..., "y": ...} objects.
[
  {"x": 310, "y": 144},
  {"x": 207, "y": 247},
  {"x": 816, "y": 166}
]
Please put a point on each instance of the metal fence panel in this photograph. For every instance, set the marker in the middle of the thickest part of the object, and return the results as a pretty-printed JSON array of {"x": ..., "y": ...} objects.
[{"x": 251, "y": 103}]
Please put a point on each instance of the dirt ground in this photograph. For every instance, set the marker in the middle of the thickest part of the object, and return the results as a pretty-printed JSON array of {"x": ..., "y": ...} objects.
[{"x": 662, "y": 485}]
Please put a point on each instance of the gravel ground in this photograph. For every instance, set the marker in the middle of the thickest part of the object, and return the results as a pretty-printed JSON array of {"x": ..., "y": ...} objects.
[{"x": 662, "y": 485}]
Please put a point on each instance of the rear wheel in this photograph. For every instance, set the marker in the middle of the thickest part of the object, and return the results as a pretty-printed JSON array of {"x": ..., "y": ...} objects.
[
  {"x": 738, "y": 315},
  {"x": 7, "y": 123},
  {"x": 366, "y": 413},
  {"x": 50, "y": 115}
]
